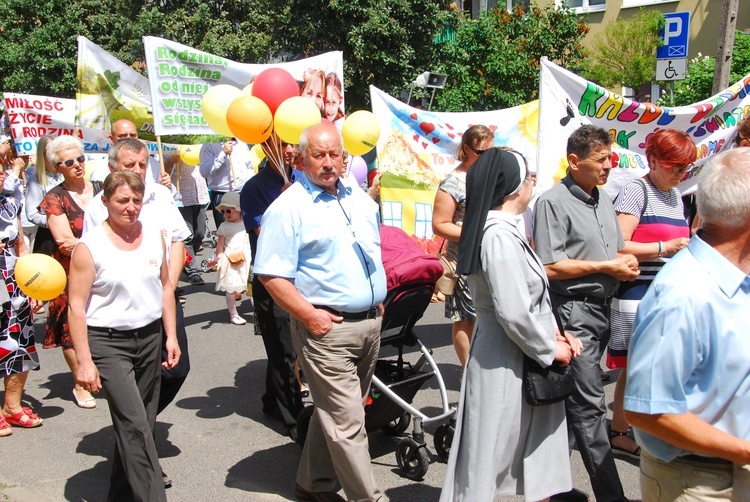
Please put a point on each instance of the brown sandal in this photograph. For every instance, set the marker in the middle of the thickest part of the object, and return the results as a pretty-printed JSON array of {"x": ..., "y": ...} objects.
[{"x": 635, "y": 454}]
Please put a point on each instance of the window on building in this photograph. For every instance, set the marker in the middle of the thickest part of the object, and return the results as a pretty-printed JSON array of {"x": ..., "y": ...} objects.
[
  {"x": 585, "y": 5},
  {"x": 423, "y": 220},
  {"x": 392, "y": 213},
  {"x": 641, "y": 3}
]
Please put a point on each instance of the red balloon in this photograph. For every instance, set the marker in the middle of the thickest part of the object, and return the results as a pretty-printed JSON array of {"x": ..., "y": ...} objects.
[{"x": 273, "y": 86}]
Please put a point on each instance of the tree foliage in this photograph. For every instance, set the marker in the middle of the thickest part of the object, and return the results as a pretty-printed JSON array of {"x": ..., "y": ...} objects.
[
  {"x": 625, "y": 52},
  {"x": 700, "y": 75},
  {"x": 493, "y": 62}
]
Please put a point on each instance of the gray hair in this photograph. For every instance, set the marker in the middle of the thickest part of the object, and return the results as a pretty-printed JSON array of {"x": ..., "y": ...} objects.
[
  {"x": 59, "y": 144},
  {"x": 723, "y": 195},
  {"x": 129, "y": 144},
  {"x": 304, "y": 138}
]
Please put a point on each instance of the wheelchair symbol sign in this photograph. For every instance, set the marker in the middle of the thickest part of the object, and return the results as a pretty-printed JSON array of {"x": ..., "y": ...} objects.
[{"x": 671, "y": 69}]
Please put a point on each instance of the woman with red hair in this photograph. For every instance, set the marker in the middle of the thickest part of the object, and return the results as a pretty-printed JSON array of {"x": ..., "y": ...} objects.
[{"x": 651, "y": 216}]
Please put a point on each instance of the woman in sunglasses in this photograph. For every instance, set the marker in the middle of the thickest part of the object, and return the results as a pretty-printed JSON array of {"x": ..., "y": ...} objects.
[
  {"x": 447, "y": 217},
  {"x": 651, "y": 216},
  {"x": 64, "y": 206}
]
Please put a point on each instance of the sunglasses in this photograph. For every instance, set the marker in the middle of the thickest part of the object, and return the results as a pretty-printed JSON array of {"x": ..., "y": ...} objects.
[
  {"x": 478, "y": 152},
  {"x": 680, "y": 169},
  {"x": 226, "y": 211},
  {"x": 69, "y": 163}
]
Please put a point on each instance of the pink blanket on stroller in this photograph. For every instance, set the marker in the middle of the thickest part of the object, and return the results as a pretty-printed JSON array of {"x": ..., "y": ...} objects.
[{"x": 404, "y": 262}]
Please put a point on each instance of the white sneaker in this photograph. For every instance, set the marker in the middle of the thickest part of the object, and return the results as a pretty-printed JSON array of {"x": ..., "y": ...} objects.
[{"x": 236, "y": 319}]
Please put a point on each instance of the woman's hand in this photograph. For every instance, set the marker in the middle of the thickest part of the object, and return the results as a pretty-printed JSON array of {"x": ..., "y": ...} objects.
[
  {"x": 66, "y": 245},
  {"x": 564, "y": 353},
  {"x": 575, "y": 344},
  {"x": 673, "y": 246},
  {"x": 87, "y": 376},
  {"x": 173, "y": 353},
  {"x": 36, "y": 305}
]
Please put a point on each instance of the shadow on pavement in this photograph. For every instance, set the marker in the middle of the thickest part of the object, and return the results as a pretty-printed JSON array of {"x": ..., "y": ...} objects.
[{"x": 281, "y": 460}]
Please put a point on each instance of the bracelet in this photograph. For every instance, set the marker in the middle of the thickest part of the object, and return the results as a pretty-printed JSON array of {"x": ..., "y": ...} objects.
[{"x": 661, "y": 250}]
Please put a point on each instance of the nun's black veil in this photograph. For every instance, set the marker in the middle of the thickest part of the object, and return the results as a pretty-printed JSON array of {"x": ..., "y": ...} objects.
[{"x": 494, "y": 176}]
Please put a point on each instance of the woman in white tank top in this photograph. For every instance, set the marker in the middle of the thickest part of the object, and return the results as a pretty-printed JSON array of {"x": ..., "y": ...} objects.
[{"x": 119, "y": 291}]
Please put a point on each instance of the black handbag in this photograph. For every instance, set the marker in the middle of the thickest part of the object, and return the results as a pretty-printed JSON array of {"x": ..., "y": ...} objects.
[{"x": 547, "y": 385}]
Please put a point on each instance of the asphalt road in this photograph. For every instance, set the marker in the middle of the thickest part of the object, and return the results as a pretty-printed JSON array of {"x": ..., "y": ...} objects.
[{"x": 213, "y": 440}]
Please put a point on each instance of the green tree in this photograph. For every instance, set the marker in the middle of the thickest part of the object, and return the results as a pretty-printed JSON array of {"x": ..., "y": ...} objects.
[
  {"x": 625, "y": 52},
  {"x": 493, "y": 62},
  {"x": 700, "y": 75}
]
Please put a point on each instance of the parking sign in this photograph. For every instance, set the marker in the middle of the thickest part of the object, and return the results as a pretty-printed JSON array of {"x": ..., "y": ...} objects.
[{"x": 675, "y": 34}]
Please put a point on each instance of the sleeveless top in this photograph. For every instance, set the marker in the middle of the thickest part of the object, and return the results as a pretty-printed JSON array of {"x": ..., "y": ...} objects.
[{"x": 127, "y": 289}]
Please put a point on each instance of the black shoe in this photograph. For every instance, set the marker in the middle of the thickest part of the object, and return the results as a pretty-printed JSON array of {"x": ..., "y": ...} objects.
[
  {"x": 571, "y": 496},
  {"x": 196, "y": 280},
  {"x": 303, "y": 494},
  {"x": 167, "y": 480}
]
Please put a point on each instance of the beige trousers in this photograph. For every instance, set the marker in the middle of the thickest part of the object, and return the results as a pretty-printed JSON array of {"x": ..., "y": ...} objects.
[
  {"x": 339, "y": 367},
  {"x": 688, "y": 481}
]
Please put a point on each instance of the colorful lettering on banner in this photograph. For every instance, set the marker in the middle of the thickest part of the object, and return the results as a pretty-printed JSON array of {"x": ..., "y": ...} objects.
[
  {"x": 179, "y": 77},
  {"x": 711, "y": 123}
]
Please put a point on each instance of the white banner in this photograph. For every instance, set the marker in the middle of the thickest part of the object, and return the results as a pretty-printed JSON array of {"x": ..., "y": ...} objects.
[
  {"x": 567, "y": 102},
  {"x": 179, "y": 76},
  {"x": 31, "y": 117}
]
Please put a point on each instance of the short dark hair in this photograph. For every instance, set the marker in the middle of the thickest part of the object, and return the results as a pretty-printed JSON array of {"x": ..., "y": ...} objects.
[
  {"x": 116, "y": 179},
  {"x": 587, "y": 137},
  {"x": 131, "y": 144}
]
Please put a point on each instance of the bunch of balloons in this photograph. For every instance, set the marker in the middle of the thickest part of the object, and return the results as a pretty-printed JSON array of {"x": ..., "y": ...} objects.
[{"x": 271, "y": 103}]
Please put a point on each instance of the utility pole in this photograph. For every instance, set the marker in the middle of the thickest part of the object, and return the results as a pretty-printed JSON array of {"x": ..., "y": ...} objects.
[{"x": 726, "y": 42}]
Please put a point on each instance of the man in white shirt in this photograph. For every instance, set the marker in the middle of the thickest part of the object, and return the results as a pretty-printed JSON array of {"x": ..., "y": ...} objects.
[{"x": 226, "y": 167}]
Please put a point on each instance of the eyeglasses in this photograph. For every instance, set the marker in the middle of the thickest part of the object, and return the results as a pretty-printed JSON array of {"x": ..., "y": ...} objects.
[
  {"x": 680, "y": 169},
  {"x": 69, "y": 163},
  {"x": 476, "y": 151},
  {"x": 531, "y": 180},
  {"x": 226, "y": 211}
]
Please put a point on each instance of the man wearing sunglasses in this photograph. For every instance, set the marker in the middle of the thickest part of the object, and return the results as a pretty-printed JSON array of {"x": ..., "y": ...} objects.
[{"x": 160, "y": 209}]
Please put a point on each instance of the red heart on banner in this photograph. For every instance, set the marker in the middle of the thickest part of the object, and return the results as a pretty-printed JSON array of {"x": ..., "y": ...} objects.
[
  {"x": 427, "y": 127},
  {"x": 460, "y": 134},
  {"x": 424, "y": 145},
  {"x": 493, "y": 128},
  {"x": 449, "y": 126},
  {"x": 416, "y": 137},
  {"x": 451, "y": 135},
  {"x": 413, "y": 116},
  {"x": 436, "y": 140},
  {"x": 440, "y": 126}
]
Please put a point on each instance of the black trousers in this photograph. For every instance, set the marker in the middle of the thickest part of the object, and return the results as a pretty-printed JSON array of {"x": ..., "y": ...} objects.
[
  {"x": 216, "y": 200},
  {"x": 282, "y": 391},
  {"x": 128, "y": 363}
]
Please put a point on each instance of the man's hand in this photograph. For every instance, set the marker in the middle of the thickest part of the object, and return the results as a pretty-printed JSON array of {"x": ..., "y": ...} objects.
[
  {"x": 164, "y": 179},
  {"x": 624, "y": 267},
  {"x": 173, "y": 353},
  {"x": 320, "y": 322},
  {"x": 228, "y": 147}
]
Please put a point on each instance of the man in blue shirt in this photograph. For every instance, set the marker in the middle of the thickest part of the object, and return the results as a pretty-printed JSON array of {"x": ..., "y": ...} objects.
[
  {"x": 319, "y": 257},
  {"x": 688, "y": 390},
  {"x": 282, "y": 398}
]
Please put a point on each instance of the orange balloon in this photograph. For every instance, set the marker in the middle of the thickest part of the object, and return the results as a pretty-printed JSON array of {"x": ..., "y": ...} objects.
[{"x": 250, "y": 119}]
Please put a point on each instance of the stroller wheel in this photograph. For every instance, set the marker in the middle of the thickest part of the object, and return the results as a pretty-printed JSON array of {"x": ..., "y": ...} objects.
[
  {"x": 303, "y": 424},
  {"x": 443, "y": 440},
  {"x": 412, "y": 459},
  {"x": 212, "y": 242},
  {"x": 204, "y": 265},
  {"x": 397, "y": 425}
]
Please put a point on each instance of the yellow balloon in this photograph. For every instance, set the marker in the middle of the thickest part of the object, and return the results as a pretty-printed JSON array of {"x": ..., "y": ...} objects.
[
  {"x": 40, "y": 276},
  {"x": 360, "y": 132},
  {"x": 214, "y": 106},
  {"x": 293, "y": 116},
  {"x": 258, "y": 152},
  {"x": 190, "y": 154}
]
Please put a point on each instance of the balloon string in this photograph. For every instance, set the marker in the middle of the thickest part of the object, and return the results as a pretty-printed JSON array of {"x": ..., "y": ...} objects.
[{"x": 275, "y": 156}]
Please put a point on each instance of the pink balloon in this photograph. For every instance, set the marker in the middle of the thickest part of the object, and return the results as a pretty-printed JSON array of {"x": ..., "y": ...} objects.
[{"x": 358, "y": 169}]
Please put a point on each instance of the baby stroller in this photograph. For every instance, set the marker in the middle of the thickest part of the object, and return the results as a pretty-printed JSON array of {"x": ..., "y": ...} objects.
[{"x": 411, "y": 276}]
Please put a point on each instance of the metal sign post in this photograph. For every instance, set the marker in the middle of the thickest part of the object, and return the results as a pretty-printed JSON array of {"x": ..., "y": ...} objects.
[{"x": 671, "y": 58}]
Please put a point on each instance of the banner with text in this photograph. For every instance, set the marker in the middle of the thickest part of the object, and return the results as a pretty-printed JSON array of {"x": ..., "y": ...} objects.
[
  {"x": 180, "y": 75},
  {"x": 418, "y": 148},
  {"x": 32, "y": 117},
  {"x": 567, "y": 102},
  {"x": 108, "y": 90}
]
